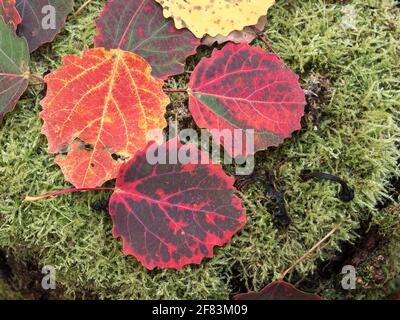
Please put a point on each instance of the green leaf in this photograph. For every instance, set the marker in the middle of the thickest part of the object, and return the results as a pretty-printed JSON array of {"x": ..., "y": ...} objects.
[{"x": 14, "y": 71}]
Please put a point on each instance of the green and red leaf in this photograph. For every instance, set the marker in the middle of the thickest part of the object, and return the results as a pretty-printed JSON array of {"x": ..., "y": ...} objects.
[
  {"x": 9, "y": 13},
  {"x": 279, "y": 290},
  {"x": 241, "y": 87},
  {"x": 101, "y": 107},
  {"x": 170, "y": 215},
  {"x": 14, "y": 70},
  {"x": 33, "y": 13},
  {"x": 140, "y": 27}
]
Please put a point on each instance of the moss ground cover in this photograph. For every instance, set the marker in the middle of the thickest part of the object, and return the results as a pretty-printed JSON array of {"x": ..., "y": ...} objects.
[{"x": 352, "y": 78}]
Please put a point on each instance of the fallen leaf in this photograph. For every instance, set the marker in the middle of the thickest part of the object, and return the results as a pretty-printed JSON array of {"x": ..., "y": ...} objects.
[
  {"x": 215, "y": 17},
  {"x": 170, "y": 215},
  {"x": 14, "y": 70},
  {"x": 247, "y": 35},
  {"x": 279, "y": 290},
  {"x": 38, "y": 25},
  {"x": 139, "y": 27},
  {"x": 105, "y": 103},
  {"x": 85, "y": 168},
  {"x": 243, "y": 87},
  {"x": 9, "y": 13}
]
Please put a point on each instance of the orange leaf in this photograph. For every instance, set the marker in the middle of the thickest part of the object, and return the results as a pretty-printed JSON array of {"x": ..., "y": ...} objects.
[
  {"x": 104, "y": 104},
  {"x": 79, "y": 160}
]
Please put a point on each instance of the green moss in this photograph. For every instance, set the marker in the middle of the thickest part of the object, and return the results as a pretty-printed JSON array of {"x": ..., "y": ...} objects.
[
  {"x": 353, "y": 136},
  {"x": 7, "y": 294}
]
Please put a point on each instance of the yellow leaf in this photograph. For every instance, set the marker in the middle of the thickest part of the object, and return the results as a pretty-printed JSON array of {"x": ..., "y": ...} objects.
[{"x": 215, "y": 17}]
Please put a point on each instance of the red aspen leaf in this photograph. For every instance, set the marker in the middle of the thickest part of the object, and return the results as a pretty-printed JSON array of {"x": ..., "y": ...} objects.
[
  {"x": 14, "y": 70},
  {"x": 171, "y": 215},
  {"x": 243, "y": 87},
  {"x": 37, "y": 20},
  {"x": 140, "y": 27},
  {"x": 247, "y": 35},
  {"x": 279, "y": 290},
  {"x": 104, "y": 103},
  {"x": 9, "y": 13}
]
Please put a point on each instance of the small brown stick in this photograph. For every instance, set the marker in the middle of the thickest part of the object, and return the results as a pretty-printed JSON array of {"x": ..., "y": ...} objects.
[
  {"x": 267, "y": 41},
  {"x": 305, "y": 255},
  {"x": 81, "y": 8}
]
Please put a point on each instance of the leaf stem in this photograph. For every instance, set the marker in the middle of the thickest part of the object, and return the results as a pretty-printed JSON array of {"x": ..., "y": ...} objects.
[
  {"x": 305, "y": 255},
  {"x": 65, "y": 191},
  {"x": 175, "y": 91},
  {"x": 36, "y": 84},
  {"x": 37, "y": 77}
]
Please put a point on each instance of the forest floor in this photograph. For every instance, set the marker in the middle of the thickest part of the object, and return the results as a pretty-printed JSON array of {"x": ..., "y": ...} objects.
[{"x": 347, "y": 56}]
